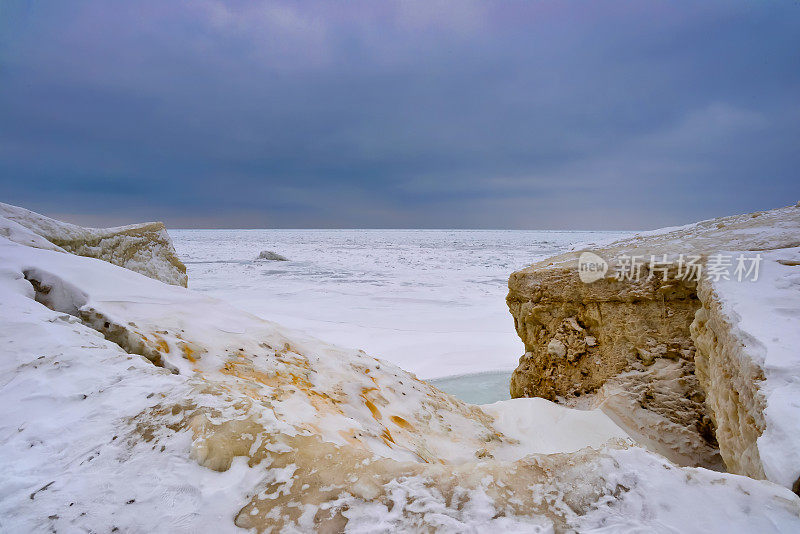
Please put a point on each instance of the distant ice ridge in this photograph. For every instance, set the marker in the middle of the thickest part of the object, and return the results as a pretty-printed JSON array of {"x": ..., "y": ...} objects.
[
  {"x": 145, "y": 248},
  {"x": 133, "y": 405}
]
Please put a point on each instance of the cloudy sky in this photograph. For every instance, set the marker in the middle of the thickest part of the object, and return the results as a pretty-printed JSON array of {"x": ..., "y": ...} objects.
[{"x": 414, "y": 114}]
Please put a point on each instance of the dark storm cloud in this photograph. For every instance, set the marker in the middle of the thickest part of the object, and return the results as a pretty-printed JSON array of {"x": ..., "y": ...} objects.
[{"x": 409, "y": 114}]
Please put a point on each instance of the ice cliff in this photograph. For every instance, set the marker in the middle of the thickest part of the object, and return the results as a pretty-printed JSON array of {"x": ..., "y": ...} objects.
[
  {"x": 145, "y": 248},
  {"x": 130, "y": 405},
  {"x": 748, "y": 360},
  {"x": 691, "y": 366}
]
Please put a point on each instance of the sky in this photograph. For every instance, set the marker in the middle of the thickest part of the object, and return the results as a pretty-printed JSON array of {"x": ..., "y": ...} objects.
[{"x": 413, "y": 114}]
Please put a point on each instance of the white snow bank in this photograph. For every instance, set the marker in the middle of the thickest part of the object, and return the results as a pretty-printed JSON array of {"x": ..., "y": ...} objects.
[
  {"x": 260, "y": 427},
  {"x": 764, "y": 321},
  {"x": 667, "y": 499},
  {"x": 145, "y": 248}
]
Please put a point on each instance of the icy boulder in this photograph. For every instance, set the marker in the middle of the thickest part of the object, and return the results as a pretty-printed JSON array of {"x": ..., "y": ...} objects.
[
  {"x": 145, "y": 248},
  {"x": 271, "y": 256},
  {"x": 621, "y": 340},
  {"x": 130, "y": 405}
]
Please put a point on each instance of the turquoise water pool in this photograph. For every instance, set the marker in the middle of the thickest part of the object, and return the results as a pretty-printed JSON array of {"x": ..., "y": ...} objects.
[{"x": 479, "y": 388}]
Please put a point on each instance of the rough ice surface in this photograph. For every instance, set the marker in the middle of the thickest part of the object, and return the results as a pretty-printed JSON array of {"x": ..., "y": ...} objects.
[
  {"x": 238, "y": 422},
  {"x": 145, "y": 248}
]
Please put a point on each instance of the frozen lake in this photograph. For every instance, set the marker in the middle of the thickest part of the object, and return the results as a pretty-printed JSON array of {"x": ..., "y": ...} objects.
[{"x": 431, "y": 301}]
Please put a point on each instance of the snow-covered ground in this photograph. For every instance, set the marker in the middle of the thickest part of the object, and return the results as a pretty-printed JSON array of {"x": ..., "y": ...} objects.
[
  {"x": 261, "y": 427},
  {"x": 431, "y": 301}
]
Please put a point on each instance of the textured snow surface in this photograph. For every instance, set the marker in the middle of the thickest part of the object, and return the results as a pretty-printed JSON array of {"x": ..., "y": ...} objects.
[
  {"x": 430, "y": 301},
  {"x": 17, "y": 233},
  {"x": 765, "y": 318},
  {"x": 262, "y": 427},
  {"x": 69, "y": 460}
]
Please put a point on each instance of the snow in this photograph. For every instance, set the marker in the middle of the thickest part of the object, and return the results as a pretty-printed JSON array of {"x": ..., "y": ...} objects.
[
  {"x": 245, "y": 423},
  {"x": 526, "y": 419},
  {"x": 430, "y": 301},
  {"x": 692, "y": 507},
  {"x": 67, "y": 462},
  {"x": 765, "y": 316},
  {"x": 45, "y": 226},
  {"x": 17, "y": 233}
]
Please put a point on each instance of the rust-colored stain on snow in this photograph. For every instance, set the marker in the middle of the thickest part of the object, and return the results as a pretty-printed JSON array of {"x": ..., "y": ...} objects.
[
  {"x": 188, "y": 352},
  {"x": 402, "y": 423},
  {"x": 387, "y": 437},
  {"x": 283, "y": 383},
  {"x": 350, "y": 436},
  {"x": 374, "y": 409},
  {"x": 162, "y": 345}
]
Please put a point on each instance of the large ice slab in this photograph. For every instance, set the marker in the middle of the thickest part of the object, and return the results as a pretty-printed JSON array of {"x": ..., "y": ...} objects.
[{"x": 145, "y": 248}]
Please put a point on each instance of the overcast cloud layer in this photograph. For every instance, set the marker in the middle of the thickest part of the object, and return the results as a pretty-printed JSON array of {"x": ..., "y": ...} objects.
[{"x": 614, "y": 115}]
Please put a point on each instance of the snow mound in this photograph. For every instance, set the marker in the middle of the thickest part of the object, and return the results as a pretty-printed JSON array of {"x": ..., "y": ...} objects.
[
  {"x": 129, "y": 404},
  {"x": 145, "y": 248},
  {"x": 272, "y": 256}
]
